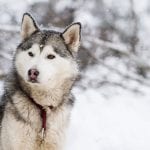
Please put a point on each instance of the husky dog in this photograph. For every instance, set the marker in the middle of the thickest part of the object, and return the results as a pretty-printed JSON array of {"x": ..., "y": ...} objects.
[{"x": 37, "y": 100}]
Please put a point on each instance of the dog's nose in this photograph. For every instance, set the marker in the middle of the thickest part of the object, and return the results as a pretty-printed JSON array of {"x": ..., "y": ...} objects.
[{"x": 33, "y": 74}]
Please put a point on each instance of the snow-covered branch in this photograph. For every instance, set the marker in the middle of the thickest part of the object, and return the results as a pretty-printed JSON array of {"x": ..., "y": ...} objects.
[
  {"x": 9, "y": 28},
  {"x": 5, "y": 55},
  {"x": 122, "y": 49}
]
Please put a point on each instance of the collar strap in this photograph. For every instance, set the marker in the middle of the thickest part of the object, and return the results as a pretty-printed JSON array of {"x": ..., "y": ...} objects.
[{"x": 43, "y": 114}]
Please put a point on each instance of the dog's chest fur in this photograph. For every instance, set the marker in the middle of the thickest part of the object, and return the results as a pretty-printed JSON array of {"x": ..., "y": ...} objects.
[{"x": 22, "y": 124}]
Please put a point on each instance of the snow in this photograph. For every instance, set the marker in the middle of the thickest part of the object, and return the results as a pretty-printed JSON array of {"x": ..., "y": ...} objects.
[
  {"x": 121, "y": 122},
  {"x": 111, "y": 112},
  {"x": 86, "y": 19},
  {"x": 109, "y": 118},
  {"x": 11, "y": 6},
  {"x": 141, "y": 6}
]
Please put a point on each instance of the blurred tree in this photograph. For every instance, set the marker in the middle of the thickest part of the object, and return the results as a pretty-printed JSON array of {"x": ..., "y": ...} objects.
[{"x": 111, "y": 34}]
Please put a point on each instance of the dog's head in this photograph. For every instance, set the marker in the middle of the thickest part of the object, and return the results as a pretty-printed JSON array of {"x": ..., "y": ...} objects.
[{"x": 45, "y": 56}]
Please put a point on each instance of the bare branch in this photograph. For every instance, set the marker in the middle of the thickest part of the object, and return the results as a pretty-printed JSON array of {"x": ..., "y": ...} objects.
[{"x": 121, "y": 49}]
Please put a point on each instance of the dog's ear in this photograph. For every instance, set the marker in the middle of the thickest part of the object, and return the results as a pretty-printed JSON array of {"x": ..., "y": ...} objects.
[
  {"x": 72, "y": 36},
  {"x": 28, "y": 26}
]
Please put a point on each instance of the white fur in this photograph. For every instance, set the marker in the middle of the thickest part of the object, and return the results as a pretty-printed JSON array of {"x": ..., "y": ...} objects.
[
  {"x": 20, "y": 136},
  {"x": 54, "y": 75},
  {"x": 57, "y": 69}
]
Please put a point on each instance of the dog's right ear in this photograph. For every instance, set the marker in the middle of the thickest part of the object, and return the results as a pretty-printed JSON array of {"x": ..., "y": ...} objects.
[
  {"x": 72, "y": 36},
  {"x": 28, "y": 26}
]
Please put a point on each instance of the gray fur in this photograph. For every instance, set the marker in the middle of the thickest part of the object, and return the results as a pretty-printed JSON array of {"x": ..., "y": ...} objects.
[{"x": 46, "y": 37}]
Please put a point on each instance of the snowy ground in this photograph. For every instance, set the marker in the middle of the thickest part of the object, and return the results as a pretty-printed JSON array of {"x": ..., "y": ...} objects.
[
  {"x": 109, "y": 118},
  {"x": 119, "y": 123}
]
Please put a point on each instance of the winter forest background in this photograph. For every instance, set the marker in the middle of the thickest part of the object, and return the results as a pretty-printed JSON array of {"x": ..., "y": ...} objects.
[{"x": 112, "y": 110}]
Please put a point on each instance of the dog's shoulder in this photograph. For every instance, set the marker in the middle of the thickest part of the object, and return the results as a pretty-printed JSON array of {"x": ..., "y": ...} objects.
[
  {"x": 10, "y": 88},
  {"x": 3, "y": 101}
]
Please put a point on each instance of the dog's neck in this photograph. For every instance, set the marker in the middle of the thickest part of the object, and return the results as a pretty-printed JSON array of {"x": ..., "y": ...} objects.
[
  {"x": 48, "y": 96},
  {"x": 43, "y": 114}
]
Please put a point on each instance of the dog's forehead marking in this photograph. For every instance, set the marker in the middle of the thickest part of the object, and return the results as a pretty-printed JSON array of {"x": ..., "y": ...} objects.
[{"x": 41, "y": 45}]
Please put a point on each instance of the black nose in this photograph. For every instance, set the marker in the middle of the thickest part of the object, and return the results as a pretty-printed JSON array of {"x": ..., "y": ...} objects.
[{"x": 33, "y": 73}]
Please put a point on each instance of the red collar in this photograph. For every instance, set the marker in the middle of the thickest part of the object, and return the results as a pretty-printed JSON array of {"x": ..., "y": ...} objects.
[
  {"x": 42, "y": 112},
  {"x": 43, "y": 115}
]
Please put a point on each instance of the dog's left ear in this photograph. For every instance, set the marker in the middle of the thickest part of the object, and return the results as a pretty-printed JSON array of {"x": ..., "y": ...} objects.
[
  {"x": 28, "y": 26},
  {"x": 72, "y": 36}
]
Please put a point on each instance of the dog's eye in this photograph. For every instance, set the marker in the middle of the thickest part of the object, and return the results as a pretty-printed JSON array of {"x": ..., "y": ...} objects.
[
  {"x": 50, "y": 56},
  {"x": 31, "y": 54}
]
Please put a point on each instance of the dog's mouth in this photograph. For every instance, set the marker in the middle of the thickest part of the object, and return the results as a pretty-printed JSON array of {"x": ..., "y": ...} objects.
[{"x": 33, "y": 80}]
